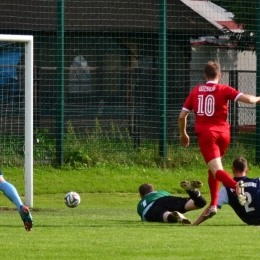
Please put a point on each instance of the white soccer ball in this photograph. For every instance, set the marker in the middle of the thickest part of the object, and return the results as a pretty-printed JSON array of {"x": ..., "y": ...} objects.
[{"x": 72, "y": 199}]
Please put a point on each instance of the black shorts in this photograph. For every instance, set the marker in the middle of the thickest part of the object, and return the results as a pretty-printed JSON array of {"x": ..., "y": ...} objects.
[{"x": 168, "y": 203}]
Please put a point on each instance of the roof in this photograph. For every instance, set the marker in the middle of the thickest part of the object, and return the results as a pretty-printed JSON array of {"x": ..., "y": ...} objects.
[
  {"x": 220, "y": 42},
  {"x": 214, "y": 14},
  {"x": 100, "y": 15}
]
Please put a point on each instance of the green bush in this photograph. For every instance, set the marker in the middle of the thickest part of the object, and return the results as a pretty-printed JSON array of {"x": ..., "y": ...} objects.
[{"x": 114, "y": 146}]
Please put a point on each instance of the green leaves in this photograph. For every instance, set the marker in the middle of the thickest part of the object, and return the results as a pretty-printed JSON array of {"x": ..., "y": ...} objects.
[{"x": 245, "y": 15}]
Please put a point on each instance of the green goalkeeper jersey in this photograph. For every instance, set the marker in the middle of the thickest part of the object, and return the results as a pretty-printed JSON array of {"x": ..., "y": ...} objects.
[{"x": 147, "y": 201}]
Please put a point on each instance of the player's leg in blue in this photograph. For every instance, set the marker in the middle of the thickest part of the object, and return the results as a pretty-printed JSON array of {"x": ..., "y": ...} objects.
[
  {"x": 11, "y": 193},
  {"x": 26, "y": 217}
]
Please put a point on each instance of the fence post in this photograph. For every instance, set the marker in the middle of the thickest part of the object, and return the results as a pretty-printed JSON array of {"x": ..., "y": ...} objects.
[
  {"x": 162, "y": 78},
  {"x": 60, "y": 84},
  {"x": 257, "y": 159},
  {"x": 233, "y": 81}
]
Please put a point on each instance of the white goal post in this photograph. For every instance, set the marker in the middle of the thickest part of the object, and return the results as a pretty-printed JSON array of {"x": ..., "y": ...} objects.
[{"x": 28, "y": 165}]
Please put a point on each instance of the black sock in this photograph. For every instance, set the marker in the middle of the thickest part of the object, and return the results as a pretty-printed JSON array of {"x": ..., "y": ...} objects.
[
  {"x": 171, "y": 219},
  {"x": 196, "y": 196}
]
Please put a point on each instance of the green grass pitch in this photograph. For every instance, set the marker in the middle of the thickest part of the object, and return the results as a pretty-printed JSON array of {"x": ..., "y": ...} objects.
[{"x": 106, "y": 226}]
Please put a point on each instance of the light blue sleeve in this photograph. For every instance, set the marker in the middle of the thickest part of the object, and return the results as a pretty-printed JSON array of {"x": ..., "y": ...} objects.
[{"x": 222, "y": 197}]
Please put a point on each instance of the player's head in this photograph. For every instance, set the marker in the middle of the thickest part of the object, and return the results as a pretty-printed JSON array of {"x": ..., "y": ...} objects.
[
  {"x": 239, "y": 166},
  {"x": 212, "y": 71},
  {"x": 145, "y": 188}
]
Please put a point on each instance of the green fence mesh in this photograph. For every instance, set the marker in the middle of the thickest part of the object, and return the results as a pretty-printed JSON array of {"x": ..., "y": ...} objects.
[{"x": 118, "y": 89}]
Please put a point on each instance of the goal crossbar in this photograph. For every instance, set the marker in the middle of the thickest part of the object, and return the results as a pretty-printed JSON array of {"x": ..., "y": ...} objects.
[{"x": 28, "y": 164}]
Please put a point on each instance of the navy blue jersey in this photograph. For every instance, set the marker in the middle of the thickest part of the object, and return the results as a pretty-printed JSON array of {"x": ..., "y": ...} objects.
[{"x": 250, "y": 213}]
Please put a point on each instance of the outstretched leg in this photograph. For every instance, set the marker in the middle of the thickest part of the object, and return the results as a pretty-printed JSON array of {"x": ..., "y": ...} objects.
[{"x": 11, "y": 193}]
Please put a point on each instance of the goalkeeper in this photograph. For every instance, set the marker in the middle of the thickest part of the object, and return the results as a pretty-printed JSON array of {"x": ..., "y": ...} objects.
[
  {"x": 161, "y": 206},
  {"x": 11, "y": 193}
]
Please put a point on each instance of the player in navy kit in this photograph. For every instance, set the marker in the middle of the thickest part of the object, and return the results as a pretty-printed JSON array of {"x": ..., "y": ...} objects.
[
  {"x": 250, "y": 213},
  {"x": 161, "y": 206}
]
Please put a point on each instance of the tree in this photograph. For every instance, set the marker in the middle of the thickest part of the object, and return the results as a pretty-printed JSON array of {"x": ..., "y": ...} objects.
[
  {"x": 245, "y": 12},
  {"x": 245, "y": 15}
]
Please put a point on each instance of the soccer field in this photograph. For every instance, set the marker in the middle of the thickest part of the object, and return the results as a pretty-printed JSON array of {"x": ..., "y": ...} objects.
[
  {"x": 106, "y": 226},
  {"x": 95, "y": 97}
]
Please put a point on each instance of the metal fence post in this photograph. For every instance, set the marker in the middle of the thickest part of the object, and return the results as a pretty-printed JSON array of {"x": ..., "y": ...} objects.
[
  {"x": 60, "y": 84},
  {"x": 233, "y": 81},
  {"x": 258, "y": 83},
  {"x": 162, "y": 78}
]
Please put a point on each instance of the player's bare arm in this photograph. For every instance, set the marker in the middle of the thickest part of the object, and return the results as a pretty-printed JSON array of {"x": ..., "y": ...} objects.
[
  {"x": 249, "y": 99},
  {"x": 182, "y": 121}
]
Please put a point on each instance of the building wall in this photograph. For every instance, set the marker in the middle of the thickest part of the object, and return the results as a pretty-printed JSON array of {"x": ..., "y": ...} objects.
[{"x": 229, "y": 59}]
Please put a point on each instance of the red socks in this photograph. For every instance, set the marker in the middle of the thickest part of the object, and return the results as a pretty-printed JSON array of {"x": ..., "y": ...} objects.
[
  {"x": 221, "y": 176},
  {"x": 213, "y": 187},
  {"x": 226, "y": 179}
]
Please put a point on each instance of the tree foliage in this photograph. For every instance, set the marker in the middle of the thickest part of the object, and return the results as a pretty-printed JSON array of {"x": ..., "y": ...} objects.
[
  {"x": 245, "y": 15},
  {"x": 245, "y": 12}
]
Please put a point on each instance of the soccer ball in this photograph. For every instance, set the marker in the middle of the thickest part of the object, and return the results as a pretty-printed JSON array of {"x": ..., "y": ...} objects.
[{"x": 72, "y": 199}]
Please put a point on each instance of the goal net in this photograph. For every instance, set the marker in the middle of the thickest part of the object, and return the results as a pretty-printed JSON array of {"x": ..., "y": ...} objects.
[{"x": 16, "y": 106}]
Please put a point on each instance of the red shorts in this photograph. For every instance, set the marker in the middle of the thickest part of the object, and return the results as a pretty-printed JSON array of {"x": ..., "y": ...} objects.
[{"x": 213, "y": 144}]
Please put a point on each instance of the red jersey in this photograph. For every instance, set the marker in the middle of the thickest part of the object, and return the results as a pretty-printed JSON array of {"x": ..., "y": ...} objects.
[{"x": 210, "y": 105}]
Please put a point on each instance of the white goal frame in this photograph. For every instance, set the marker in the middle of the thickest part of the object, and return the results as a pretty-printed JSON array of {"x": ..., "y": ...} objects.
[{"x": 28, "y": 150}]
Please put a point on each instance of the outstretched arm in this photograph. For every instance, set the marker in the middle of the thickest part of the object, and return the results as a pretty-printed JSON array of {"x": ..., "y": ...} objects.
[{"x": 249, "y": 99}]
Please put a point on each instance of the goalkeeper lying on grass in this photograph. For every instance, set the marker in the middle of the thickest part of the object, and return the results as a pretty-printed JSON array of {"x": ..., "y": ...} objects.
[{"x": 161, "y": 206}]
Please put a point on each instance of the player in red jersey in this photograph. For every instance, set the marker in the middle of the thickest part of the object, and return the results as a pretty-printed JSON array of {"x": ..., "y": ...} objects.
[{"x": 209, "y": 102}]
